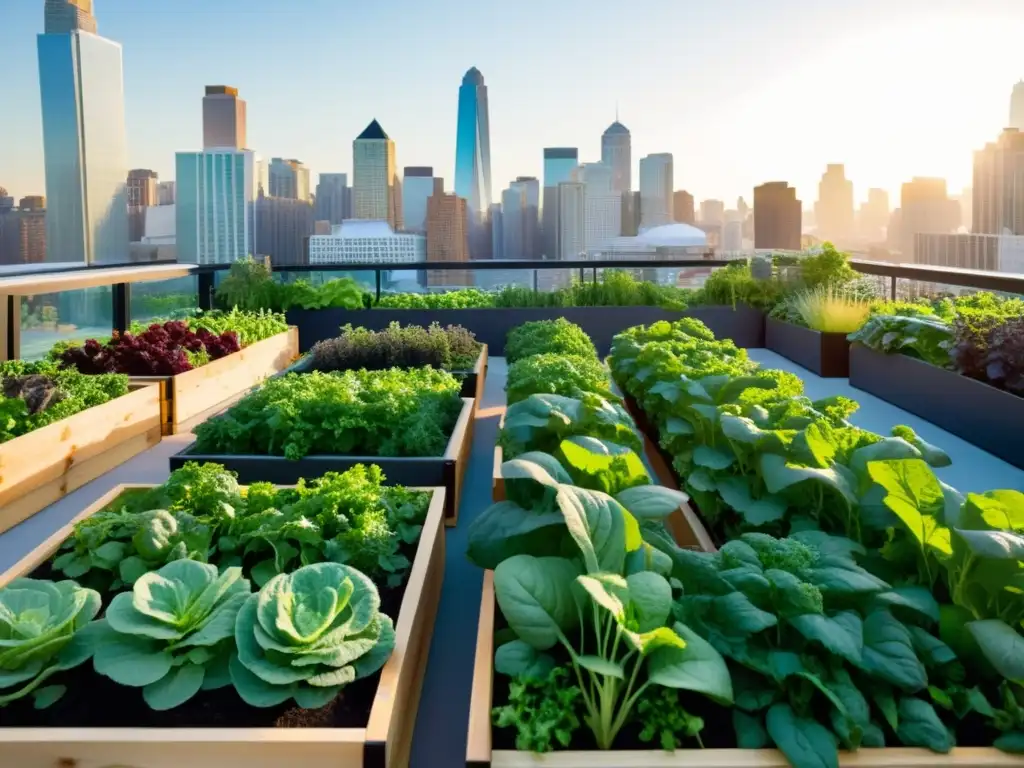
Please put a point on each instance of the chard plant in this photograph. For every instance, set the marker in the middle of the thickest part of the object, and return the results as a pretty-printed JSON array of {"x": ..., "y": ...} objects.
[
  {"x": 44, "y": 629},
  {"x": 173, "y": 634}
]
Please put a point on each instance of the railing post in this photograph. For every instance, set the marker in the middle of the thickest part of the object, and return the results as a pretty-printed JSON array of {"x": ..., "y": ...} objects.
[
  {"x": 892, "y": 288},
  {"x": 12, "y": 327},
  {"x": 594, "y": 276},
  {"x": 204, "y": 285},
  {"x": 122, "y": 299},
  {"x": 376, "y": 281},
  {"x": 536, "y": 282}
]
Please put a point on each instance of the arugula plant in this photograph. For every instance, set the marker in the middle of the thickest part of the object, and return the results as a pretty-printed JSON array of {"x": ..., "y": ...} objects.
[
  {"x": 557, "y": 374},
  {"x": 541, "y": 422},
  {"x": 173, "y": 634},
  {"x": 823, "y": 654}
]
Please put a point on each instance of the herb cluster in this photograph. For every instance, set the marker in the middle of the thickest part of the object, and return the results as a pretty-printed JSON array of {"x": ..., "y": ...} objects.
[
  {"x": 452, "y": 348},
  {"x": 191, "y": 570},
  {"x": 366, "y": 413},
  {"x": 33, "y": 395}
]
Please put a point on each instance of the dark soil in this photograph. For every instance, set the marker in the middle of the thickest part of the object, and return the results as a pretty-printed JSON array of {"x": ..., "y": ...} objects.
[{"x": 95, "y": 701}]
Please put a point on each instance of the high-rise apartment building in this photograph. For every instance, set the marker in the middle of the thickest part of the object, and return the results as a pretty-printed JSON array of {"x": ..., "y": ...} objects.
[
  {"x": 513, "y": 207},
  {"x": 998, "y": 191},
  {"x": 224, "y": 120},
  {"x": 282, "y": 225},
  {"x": 834, "y": 210},
  {"x": 777, "y": 216},
  {"x": 418, "y": 184},
  {"x": 572, "y": 217},
  {"x": 64, "y": 16},
  {"x": 22, "y": 230},
  {"x": 602, "y": 219},
  {"x": 473, "y": 144},
  {"x": 996, "y": 253},
  {"x": 216, "y": 189},
  {"x": 333, "y": 198},
  {"x": 1017, "y": 107},
  {"x": 447, "y": 236},
  {"x": 288, "y": 178},
  {"x": 367, "y": 242},
  {"x": 559, "y": 165},
  {"x": 165, "y": 193},
  {"x": 82, "y": 92},
  {"x": 531, "y": 235},
  {"x": 925, "y": 208},
  {"x": 376, "y": 188},
  {"x": 712, "y": 212},
  {"x": 630, "y": 214},
  {"x": 656, "y": 184},
  {"x": 496, "y": 223},
  {"x": 617, "y": 153},
  {"x": 682, "y": 207},
  {"x": 874, "y": 216},
  {"x": 141, "y": 191}
]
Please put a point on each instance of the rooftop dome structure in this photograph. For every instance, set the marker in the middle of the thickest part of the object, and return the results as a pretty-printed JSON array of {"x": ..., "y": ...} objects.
[
  {"x": 473, "y": 76},
  {"x": 673, "y": 236}
]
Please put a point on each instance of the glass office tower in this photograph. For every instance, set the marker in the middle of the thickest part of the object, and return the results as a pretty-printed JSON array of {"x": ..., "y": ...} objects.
[
  {"x": 82, "y": 92},
  {"x": 473, "y": 144}
]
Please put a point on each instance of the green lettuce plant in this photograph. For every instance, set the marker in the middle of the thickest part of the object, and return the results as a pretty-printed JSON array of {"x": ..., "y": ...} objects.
[
  {"x": 541, "y": 422},
  {"x": 173, "y": 634},
  {"x": 42, "y": 632},
  {"x": 308, "y": 634},
  {"x": 558, "y": 337},
  {"x": 923, "y": 337},
  {"x": 557, "y": 374}
]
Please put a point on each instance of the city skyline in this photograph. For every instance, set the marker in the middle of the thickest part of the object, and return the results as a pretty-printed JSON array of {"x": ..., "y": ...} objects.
[{"x": 419, "y": 103}]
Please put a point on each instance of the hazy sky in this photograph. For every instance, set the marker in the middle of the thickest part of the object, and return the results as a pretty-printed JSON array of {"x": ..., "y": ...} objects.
[{"x": 740, "y": 91}]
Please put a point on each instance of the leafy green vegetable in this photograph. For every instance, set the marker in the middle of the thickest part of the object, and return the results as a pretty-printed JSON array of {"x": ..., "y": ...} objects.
[
  {"x": 541, "y": 422},
  {"x": 452, "y": 348},
  {"x": 542, "y": 709},
  {"x": 556, "y": 337},
  {"x": 369, "y": 413},
  {"x": 250, "y": 326},
  {"x": 42, "y": 632},
  {"x": 557, "y": 374},
  {"x": 308, "y": 634},
  {"x": 923, "y": 337},
  {"x": 173, "y": 635}
]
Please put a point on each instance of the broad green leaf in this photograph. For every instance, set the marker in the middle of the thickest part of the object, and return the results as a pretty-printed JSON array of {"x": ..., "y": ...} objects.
[
  {"x": 994, "y": 545},
  {"x": 651, "y": 502},
  {"x": 255, "y": 691},
  {"x": 506, "y": 529},
  {"x": 920, "y": 726},
  {"x": 852, "y": 716},
  {"x": 1002, "y": 510},
  {"x": 888, "y": 653},
  {"x": 778, "y": 476},
  {"x": 695, "y": 667},
  {"x": 886, "y": 703},
  {"x": 741, "y": 430},
  {"x": 1011, "y": 742},
  {"x": 735, "y": 492},
  {"x": 651, "y": 597},
  {"x": 124, "y": 618},
  {"x": 750, "y": 732},
  {"x": 851, "y": 580},
  {"x": 132, "y": 568},
  {"x": 913, "y": 598},
  {"x": 109, "y": 554},
  {"x": 712, "y": 458},
  {"x": 734, "y": 613},
  {"x": 535, "y": 597},
  {"x": 597, "y": 524},
  {"x": 842, "y": 634},
  {"x": 675, "y": 426},
  {"x": 519, "y": 659},
  {"x": 47, "y": 696},
  {"x": 601, "y": 666},
  {"x": 792, "y": 595},
  {"x": 805, "y": 742},
  {"x": 914, "y": 495},
  {"x": 175, "y": 688},
  {"x": 1002, "y": 646},
  {"x": 609, "y": 590},
  {"x": 646, "y": 642},
  {"x": 885, "y": 450},
  {"x": 129, "y": 660},
  {"x": 785, "y": 664},
  {"x": 701, "y": 480},
  {"x": 932, "y": 651}
]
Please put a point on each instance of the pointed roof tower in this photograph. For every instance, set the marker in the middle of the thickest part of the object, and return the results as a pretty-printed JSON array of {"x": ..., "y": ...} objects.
[{"x": 372, "y": 131}]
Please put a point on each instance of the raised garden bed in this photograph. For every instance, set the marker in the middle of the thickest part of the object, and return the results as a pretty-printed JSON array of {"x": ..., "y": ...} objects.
[
  {"x": 979, "y": 413},
  {"x": 446, "y": 471},
  {"x": 42, "y": 466},
  {"x": 190, "y": 398},
  {"x": 743, "y": 324},
  {"x": 826, "y": 354},
  {"x": 384, "y": 741}
]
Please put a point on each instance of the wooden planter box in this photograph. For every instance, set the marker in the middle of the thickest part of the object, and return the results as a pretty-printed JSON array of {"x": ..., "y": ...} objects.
[
  {"x": 826, "y": 354},
  {"x": 688, "y": 532},
  {"x": 979, "y": 413},
  {"x": 385, "y": 742},
  {"x": 190, "y": 398},
  {"x": 44, "y": 465},
  {"x": 446, "y": 471},
  {"x": 472, "y": 380}
]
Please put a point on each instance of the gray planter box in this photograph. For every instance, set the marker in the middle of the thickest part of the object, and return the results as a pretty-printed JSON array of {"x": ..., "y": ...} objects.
[
  {"x": 979, "y": 413},
  {"x": 491, "y": 326},
  {"x": 826, "y": 354}
]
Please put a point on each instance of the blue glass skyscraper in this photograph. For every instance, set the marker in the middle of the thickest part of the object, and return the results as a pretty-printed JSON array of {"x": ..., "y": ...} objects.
[
  {"x": 473, "y": 144},
  {"x": 82, "y": 91}
]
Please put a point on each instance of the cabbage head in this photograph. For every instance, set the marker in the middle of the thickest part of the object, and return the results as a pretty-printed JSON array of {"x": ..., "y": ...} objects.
[
  {"x": 173, "y": 634},
  {"x": 308, "y": 634},
  {"x": 41, "y": 633}
]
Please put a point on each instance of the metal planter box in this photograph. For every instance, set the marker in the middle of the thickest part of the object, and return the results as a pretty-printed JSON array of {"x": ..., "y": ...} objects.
[
  {"x": 826, "y": 354},
  {"x": 979, "y": 413}
]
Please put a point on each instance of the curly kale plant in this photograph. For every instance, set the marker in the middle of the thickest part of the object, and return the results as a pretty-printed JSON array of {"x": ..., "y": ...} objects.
[
  {"x": 42, "y": 632},
  {"x": 369, "y": 413},
  {"x": 557, "y": 374},
  {"x": 173, "y": 634},
  {"x": 559, "y": 337},
  {"x": 308, "y": 634},
  {"x": 541, "y": 422}
]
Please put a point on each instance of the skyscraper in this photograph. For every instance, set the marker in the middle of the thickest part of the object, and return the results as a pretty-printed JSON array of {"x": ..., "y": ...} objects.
[
  {"x": 141, "y": 192},
  {"x": 559, "y": 165},
  {"x": 1017, "y": 107},
  {"x": 22, "y": 230},
  {"x": 281, "y": 226},
  {"x": 63, "y": 16},
  {"x": 777, "y": 216},
  {"x": 376, "y": 188},
  {"x": 572, "y": 218},
  {"x": 925, "y": 208},
  {"x": 602, "y": 218},
  {"x": 82, "y": 93},
  {"x": 447, "y": 236},
  {"x": 712, "y": 212},
  {"x": 530, "y": 215},
  {"x": 682, "y": 207},
  {"x": 656, "y": 184},
  {"x": 473, "y": 144},
  {"x": 418, "y": 184},
  {"x": 513, "y": 204},
  {"x": 333, "y": 198},
  {"x": 874, "y": 216},
  {"x": 288, "y": 178},
  {"x": 998, "y": 191},
  {"x": 617, "y": 153},
  {"x": 834, "y": 209},
  {"x": 216, "y": 190},
  {"x": 223, "y": 118}
]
